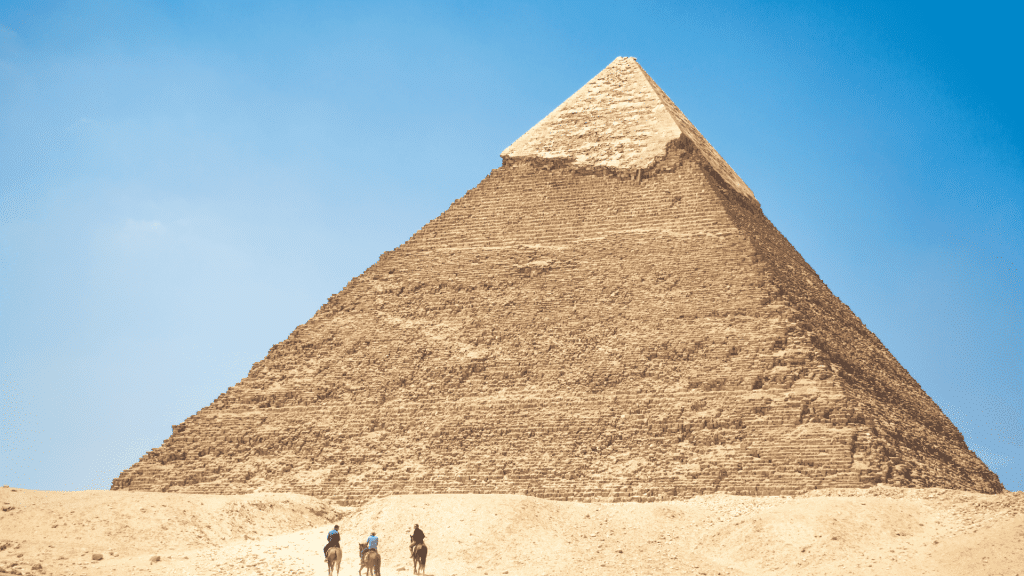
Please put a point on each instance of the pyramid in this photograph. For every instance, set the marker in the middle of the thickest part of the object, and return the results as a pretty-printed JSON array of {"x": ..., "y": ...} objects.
[{"x": 608, "y": 316}]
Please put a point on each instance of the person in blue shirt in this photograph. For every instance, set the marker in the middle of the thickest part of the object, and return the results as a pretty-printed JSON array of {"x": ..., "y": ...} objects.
[
  {"x": 371, "y": 544},
  {"x": 333, "y": 539}
]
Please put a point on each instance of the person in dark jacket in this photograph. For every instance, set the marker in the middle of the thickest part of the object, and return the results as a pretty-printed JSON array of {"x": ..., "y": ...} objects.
[
  {"x": 416, "y": 537},
  {"x": 333, "y": 540}
]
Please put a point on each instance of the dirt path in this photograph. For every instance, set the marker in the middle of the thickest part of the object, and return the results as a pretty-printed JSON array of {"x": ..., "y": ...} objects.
[{"x": 876, "y": 531}]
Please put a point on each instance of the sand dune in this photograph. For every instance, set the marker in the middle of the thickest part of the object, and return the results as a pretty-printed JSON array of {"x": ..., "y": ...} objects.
[{"x": 876, "y": 531}]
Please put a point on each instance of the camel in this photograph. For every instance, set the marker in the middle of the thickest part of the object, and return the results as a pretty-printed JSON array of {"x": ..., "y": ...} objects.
[
  {"x": 419, "y": 559},
  {"x": 370, "y": 561},
  {"x": 334, "y": 561}
]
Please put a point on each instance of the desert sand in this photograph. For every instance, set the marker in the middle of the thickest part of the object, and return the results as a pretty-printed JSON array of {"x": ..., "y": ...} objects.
[{"x": 881, "y": 530}]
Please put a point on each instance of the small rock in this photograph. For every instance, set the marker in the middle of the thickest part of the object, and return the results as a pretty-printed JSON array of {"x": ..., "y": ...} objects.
[
  {"x": 619, "y": 550},
  {"x": 7, "y": 508},
  {"x": 154, "y": 559},
  {"x": 97, "y": 556},
  {"x": 37, "y": 566}
]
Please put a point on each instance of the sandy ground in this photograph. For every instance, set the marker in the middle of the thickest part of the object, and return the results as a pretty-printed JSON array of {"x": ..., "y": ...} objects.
[{"x": 877, "y": 531}]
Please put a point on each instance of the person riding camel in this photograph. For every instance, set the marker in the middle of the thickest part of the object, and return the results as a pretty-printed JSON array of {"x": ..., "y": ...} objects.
[
  {"x": 416, "y": 537},
  {"x": 333, "y": 540},
  {"x": 371, "y": 544}
]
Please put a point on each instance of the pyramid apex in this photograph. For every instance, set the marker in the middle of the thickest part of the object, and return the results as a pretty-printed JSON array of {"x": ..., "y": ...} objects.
[{"x": 619, "y": 119}]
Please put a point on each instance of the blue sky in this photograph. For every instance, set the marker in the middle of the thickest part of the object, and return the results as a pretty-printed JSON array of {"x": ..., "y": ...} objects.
[{"x": 183, "y": 183}]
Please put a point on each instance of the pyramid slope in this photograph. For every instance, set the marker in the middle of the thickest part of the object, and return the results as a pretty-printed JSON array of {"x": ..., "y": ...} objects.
[
  {"x": 619, "y": 119},
  {"x": 582, "y": 334}
]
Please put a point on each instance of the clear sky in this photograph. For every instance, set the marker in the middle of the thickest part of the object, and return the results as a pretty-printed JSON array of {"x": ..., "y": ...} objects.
[{"x": 184, "y": 183}]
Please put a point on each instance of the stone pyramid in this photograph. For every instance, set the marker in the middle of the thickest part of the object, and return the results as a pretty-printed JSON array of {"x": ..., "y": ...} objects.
[{"x": 607, "y": 316}]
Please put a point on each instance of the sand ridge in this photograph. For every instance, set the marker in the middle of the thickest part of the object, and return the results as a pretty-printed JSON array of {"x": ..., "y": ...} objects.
[{"x": 882, "y": 530}]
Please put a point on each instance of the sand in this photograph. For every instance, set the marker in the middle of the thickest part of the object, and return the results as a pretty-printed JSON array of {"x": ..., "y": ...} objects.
[{"x": 875, "y": 531}]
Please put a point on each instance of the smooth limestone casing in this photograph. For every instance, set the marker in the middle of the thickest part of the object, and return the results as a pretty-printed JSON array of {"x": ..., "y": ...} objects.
[
  {"x": 576, "y": 332},
  {"x": 620, "y": 119}
]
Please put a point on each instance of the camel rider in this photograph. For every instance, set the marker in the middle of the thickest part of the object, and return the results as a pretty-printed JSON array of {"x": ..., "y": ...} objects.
[
  {"x": 371, "y": 543},
  {"x": 417, "y": 537},
  {"x": 333, "y": 540}
]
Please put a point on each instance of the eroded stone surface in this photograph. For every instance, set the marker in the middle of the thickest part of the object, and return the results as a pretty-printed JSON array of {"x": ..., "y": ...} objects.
[{"x": 577, "y": 333}]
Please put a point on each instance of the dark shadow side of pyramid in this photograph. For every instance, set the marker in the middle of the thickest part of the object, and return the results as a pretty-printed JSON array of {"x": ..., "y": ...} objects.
[{"x": 609, "y": 316}]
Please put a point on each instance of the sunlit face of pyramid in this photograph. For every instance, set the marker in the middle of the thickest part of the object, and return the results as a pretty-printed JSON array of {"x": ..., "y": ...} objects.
[{"x": 609, "y": 315}]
